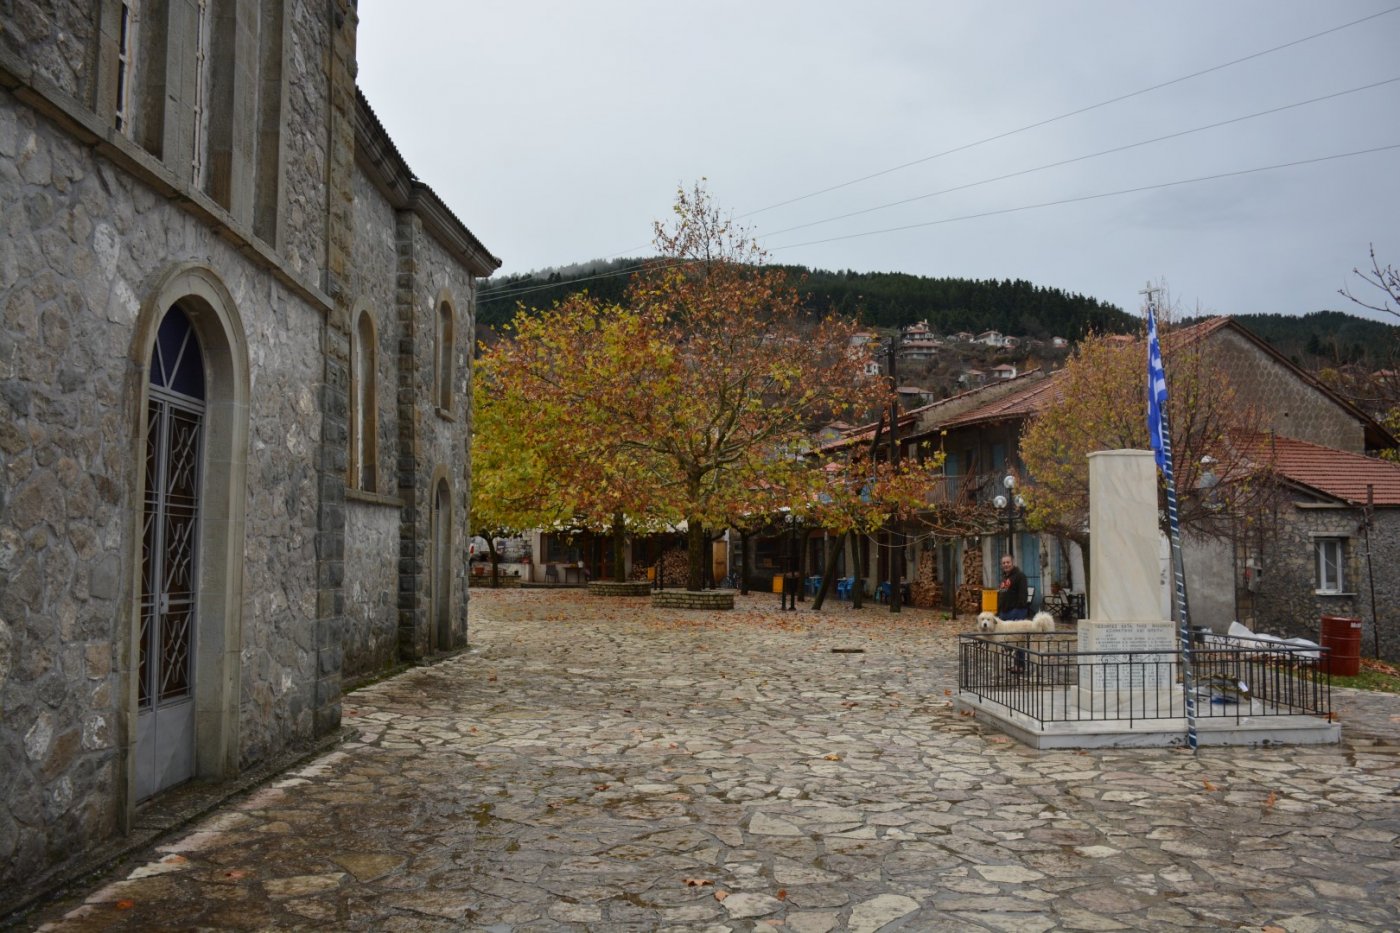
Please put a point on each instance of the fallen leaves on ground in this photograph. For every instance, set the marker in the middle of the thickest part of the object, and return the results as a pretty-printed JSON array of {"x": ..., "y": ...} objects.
[
  {"x": 1210, "y": 788},
  {"x": 697, "y": 882},
  {"x": 720, "y": 895},
  {"x": 832, "y": 757},
  {"x": 125, "y": 904}
]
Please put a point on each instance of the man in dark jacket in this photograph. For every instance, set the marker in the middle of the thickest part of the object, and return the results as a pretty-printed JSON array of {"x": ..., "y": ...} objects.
[
  {"x": 1013, "y": 599},
  {"x": 1013, "y": 602}
]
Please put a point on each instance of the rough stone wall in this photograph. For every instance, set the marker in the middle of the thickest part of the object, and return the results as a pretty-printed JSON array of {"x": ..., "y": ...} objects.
[
  {"x": 57, "y": 38},
  {"x": 1287, "y": 602},
  {"x": 371, "y": 582},
  {"x": 370, "y": 281},
  {"x": 369, "y": 636},
  {"x": 438, "y": 441},
  {"x": 279, "y": 657},
  {"x": 81, "y": 246},
  {"x": 1288, "y": 405},
  {"x": 304, "y": 216}
]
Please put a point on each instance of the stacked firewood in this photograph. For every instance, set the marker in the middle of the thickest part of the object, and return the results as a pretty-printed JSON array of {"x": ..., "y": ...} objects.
[
  {"x": 675, "y": 568},
  {"x": 969, "y": 601},
  {"x": 925, "y": 592}
]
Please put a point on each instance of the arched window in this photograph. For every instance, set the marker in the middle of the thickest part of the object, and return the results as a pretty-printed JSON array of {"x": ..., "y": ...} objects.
[
  {"x": 363, "y": 408},
  {"x": 442, "y": 393}
]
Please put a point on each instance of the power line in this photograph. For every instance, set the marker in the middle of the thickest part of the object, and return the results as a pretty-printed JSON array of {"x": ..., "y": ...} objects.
[
  {"x": 1093, "y": 197},
  {"x": 1067, "y": 115},
  {"x": 979, "y": 215},
  {"x": 1082, "y": 158}
]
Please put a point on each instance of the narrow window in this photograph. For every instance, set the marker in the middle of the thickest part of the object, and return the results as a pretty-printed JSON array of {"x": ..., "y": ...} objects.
[
  {"x": 126, "y": 45},
  {"x": 1330, "y": 561},
  {"x": 201, "y": 91},
  {"x": 443, "y": 357},
  {"x": 363, "y": 407}
]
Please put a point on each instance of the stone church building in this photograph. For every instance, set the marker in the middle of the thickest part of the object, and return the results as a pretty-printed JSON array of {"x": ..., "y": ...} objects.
[{"x": 235, "y": 345}]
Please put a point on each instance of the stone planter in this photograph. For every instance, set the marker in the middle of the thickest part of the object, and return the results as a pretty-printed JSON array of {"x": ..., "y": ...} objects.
[
  {"x": 613, "y": 588},
  {"x": 693, "y": 599}
]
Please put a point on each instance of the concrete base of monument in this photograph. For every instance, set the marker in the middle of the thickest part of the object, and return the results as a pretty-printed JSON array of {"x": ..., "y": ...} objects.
[{"x": 1059, "y": 728}]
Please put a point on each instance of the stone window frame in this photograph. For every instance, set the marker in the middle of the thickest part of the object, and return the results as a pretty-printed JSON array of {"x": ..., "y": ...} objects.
[
  {"x": 444, "y": 371},
  {"x": 1324, "y": 585},
  {"x": 362, "y": 461}
]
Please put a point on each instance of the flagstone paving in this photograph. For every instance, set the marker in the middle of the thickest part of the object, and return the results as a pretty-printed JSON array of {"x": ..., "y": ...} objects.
[{"x": 597, "y": 765}]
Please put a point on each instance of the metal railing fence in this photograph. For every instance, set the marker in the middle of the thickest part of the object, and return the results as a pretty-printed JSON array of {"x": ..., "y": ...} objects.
[{"x": 1046, "y": 677}]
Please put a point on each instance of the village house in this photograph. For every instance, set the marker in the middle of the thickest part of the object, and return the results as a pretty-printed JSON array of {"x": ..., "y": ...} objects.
[
  {"x": 1336, "y": 522},
  {"x": 235, "y": 351}
]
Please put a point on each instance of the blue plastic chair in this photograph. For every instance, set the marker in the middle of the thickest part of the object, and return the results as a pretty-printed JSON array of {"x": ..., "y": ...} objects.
[
  {"x": 814, "y": 583},
  {"x": 882, "y": 592},
  {"x": 843, "y": 587}
]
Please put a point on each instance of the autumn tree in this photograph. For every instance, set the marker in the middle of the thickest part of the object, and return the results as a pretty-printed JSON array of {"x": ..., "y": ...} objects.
[
  {"x": 694, "y": 396},
  {"x": 1098, "y": 402},
  {"x": 746, "y": 373},
  {"x": 546, "y": 455}
]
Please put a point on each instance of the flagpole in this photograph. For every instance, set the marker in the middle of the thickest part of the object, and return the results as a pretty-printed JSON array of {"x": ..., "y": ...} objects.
[{"x": 1159, "y": 427}]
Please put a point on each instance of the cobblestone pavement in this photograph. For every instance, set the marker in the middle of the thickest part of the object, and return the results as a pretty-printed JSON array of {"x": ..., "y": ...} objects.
[{"x": 595, "y": 764}]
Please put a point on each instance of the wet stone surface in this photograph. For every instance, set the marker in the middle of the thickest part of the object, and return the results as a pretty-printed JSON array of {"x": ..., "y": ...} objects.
[{"x": 599, "y": 765}]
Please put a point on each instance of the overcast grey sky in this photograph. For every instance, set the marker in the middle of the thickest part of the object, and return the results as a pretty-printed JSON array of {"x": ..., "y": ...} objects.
[{"x": 558, "y": 131}]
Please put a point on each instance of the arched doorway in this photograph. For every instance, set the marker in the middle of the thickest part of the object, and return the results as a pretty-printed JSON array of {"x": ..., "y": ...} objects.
[
  {"x": 181, "y": 660},
  {"x": 175, "y": 405},
  {"x": 442, "y": 567}
]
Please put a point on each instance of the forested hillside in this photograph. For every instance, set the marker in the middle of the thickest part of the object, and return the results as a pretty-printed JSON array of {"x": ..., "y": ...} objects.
[
  {"x": 881, "y": 299},
  {"x": 890, "y": 299},
  {"x": 1327, "y": 338}
]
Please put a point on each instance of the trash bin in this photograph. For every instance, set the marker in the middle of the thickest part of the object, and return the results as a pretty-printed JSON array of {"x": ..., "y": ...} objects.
[
  {"x": 989, "y": 600},
  {"x": 1342, "y": 634},
  {"x": 777, "y": 583}
]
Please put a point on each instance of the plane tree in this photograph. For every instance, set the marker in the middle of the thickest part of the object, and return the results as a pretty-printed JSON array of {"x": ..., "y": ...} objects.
[{"x": 698, "y": 391}]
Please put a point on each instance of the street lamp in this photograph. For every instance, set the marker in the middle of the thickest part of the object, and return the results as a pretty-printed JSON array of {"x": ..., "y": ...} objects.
[{"x": 1013, "y": 505}]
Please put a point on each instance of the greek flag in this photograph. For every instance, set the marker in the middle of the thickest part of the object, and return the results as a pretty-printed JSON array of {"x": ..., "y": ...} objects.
[{"x": 1156, "y": 394}]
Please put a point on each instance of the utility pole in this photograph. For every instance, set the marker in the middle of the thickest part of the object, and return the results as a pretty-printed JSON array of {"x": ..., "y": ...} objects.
[{"x": 896, "y": 551}]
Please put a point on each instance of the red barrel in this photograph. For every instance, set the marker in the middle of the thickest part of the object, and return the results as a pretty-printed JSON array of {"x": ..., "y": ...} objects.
[{"x": 1342, "y": 634}]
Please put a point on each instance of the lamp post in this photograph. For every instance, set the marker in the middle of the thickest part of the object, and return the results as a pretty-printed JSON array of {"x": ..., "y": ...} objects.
[{"x": 1013, "y": 505}]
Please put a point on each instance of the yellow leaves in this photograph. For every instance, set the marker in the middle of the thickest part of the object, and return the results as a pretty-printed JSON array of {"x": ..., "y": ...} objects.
[
  {"x": 1271, "y": 800},
  {"x": 1210, "y": 788},
  {"x": 832, "y": 757}
]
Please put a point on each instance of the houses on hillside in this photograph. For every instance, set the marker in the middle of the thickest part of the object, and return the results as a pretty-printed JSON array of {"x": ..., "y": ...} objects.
[{"x": 233, "y": 405}]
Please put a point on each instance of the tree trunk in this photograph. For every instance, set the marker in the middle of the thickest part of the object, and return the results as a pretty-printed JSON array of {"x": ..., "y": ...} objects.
[
  {"x": 832, "y": 558},
  {"x": 619, "y": 549},
  {"x": 743, "y": 562},
  {"x": 862, "y": 544},
  {"x": 695, "y": 541}
]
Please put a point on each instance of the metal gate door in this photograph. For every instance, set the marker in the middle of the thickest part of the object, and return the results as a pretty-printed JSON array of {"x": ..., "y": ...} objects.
[{"x": 174, "y": 428}]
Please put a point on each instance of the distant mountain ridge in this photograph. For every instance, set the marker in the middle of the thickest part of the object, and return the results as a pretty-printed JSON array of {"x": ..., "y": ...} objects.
[
  {"x": 880, "y": 299},
  {"x": 1017, "y": 307}
]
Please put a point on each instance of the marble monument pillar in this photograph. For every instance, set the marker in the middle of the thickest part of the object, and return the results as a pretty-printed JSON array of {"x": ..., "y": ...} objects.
[{"x": 1125, "y": 592}]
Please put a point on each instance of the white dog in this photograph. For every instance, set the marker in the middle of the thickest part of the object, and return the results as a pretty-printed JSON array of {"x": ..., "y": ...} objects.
[{"x": 988, "y": 623}]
